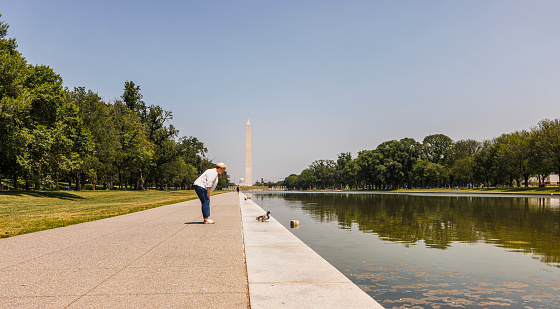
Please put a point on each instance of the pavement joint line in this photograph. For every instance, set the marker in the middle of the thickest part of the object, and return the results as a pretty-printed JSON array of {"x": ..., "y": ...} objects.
[
  {"x": 136, "y": 259},
  {"x": 244, "y": 257}
]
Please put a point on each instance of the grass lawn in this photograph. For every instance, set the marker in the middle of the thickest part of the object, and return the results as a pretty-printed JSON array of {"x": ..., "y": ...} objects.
[
  {"x": 30, "y": 211},
  {"x": 552, "y": 189}
]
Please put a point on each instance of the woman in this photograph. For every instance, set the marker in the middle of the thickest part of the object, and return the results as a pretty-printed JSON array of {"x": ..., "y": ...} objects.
[{"x": 205, "y": 184}]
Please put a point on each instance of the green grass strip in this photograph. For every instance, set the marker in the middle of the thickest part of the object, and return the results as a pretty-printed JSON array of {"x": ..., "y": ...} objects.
[
  {"x": 24, "y": 212},
  {"x": 545, "y": 190}
]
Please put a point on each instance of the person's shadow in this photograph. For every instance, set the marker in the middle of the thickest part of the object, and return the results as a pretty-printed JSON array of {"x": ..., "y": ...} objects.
[{"x": 197, "y": 222}]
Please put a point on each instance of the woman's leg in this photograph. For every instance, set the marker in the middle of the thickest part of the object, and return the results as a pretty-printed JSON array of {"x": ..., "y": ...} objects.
[{"x": 204, "y": 199}]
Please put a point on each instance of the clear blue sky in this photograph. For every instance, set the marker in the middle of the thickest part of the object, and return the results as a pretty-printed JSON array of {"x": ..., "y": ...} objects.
[{"x": 315, "y": 78}]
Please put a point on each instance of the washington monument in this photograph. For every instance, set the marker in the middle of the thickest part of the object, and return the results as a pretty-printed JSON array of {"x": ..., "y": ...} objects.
[{"x": 248, "y": 165}]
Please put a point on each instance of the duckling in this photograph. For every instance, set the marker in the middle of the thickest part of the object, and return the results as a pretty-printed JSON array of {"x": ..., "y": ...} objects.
[{"x": 264, "y": 218}]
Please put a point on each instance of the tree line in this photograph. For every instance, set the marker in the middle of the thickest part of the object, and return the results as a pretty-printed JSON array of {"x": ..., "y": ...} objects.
[
  {"x": 438, "y": 161},
  {"x": 51, "y": 135}
]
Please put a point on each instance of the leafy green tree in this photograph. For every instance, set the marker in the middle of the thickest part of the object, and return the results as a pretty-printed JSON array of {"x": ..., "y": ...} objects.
[
  {"x": 14, "y": 115},
  {"x": 290, "y": 182},
  {"x": 163, "y": 140},
  {"x": 513, "y": 155},
  {"x": 12, "y": 65},
  {"x": 52, "y": 135},
  {"x": 307, "y": 179},
  {"x": 540, "y": 162},
  {"x": 13, "y": 109},
  {"x": 193, "y": 152},
  {"x": 549, "y": 141},
  {"x": 437, "y": 148},
  {"x": 462, "y": 170},
  {"x": 132, "y": 98},
  {"x": 370, "y": 168},
  {"x": 485, "y": 162},
  {"x": 462, "y": 162},
  {"x": 344, "y": 172},
  {"x": 399, "y": 158},
  {"x": 464, "y": 149},
  {"x": 98, "y": 120},
  {"x": 324, "y": 173},
  {"x": 135, "y": 152},
  {"x": 411, "y": 151}
]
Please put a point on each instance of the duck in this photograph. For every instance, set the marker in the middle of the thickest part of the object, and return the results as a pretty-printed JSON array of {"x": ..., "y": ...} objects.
[{"x": 264, "y": 218}]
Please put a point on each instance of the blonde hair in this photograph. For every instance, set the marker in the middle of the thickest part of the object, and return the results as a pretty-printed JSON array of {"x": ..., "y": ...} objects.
[{"x": 221, "y": 165}]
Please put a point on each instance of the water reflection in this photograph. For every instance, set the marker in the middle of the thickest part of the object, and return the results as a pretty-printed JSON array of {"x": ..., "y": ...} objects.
[
  {"x": 530, "y": 224},
  {"x": 441, "y": 251}
]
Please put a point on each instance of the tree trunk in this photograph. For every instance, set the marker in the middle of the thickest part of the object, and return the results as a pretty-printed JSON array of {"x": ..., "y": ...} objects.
[
  {"x": 15, "y": 182},
  {"x": 83, "y": 181},
  {"x": 78, "y": 187},
  {"x": 37, "y": 185},
  {"x": 140, "y": 181}
]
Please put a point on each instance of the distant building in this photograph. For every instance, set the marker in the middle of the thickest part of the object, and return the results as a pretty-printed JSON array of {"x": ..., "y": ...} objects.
[{"x": 551, "y": 180}]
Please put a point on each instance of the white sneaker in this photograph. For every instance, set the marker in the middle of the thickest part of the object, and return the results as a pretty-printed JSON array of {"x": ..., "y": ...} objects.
[{"x": 209, "y": 221}]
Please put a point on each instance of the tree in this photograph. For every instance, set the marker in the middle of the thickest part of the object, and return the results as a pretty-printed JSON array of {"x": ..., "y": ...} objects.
[
  {"x": 135, "y": 152},
  {"x": 549, "y": 141},
  {"x": 370, "y": 168},
  {"x": 437, "y": 148},
  {"x": 52, "y": 137},
  {"x": 12, "y": 65},
  {"x": 345, "y": 174},
  {"x": 162, "y": 138},
  {"x": 411, "y": 151},
  {"x": 290, "y": 182},
  {"x": 540, "y": 162},
  {"x": 461, "y": 169},
  {"x": 513, "y": 155},
  {"x": 97, "y": 119},
  {"x": 13, "y": 108},
  {"x": 133, "y": 99},
  {"x": 399, "y": 159},
  {"x": 485, "y": 162},
  {"x": 193, "y": 152},
  {"x": 324, "y": 173},
  {"x": 307, "y": 180}
]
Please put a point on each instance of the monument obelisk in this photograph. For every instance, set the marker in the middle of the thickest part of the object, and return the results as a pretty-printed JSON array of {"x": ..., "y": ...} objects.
[{"x": 248, "y": 164}]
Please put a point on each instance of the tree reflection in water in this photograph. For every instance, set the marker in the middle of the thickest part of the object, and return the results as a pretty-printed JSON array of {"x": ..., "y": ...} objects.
[
  {"x": 530, "y": 224},
  {"x": 434, "y": 251}
]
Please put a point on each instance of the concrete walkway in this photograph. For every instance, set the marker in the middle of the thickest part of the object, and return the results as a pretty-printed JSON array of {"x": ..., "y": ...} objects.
[
  {"x": 158, "y": 258},
  {"x": 165, "y": 258},
  {"x": 284, "y": 272}
]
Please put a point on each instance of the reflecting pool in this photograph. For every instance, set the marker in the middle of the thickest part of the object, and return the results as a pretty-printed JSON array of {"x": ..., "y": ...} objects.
[{"x": 433, "y": 251}]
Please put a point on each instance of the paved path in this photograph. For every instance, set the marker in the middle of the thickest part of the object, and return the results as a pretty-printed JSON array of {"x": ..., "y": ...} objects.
[
  {"x": 165, "y": 258},
  {"x": 284, "y": 272},
  {"x": 158, "y": 258}
]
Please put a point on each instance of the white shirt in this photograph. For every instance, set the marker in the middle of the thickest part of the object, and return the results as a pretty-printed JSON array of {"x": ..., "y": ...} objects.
[{"x": 208, "y": 179}]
